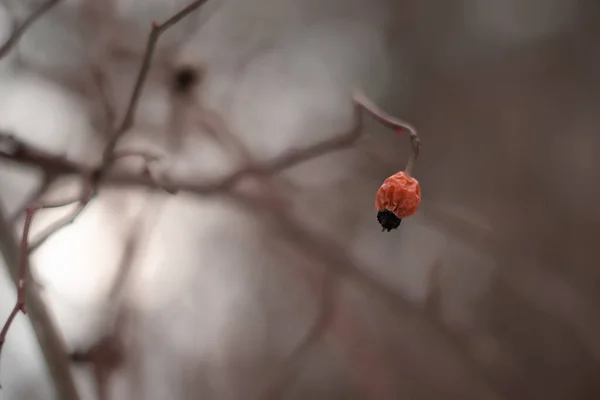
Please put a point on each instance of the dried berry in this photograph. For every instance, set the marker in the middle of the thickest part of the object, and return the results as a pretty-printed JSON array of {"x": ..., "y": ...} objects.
[{"x": 398, "y": 197}]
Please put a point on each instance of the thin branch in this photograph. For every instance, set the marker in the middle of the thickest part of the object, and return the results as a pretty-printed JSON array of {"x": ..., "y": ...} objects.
[
  {"x": 21, "y": 278},
  {"x": 47, "y": 182},
  {"x": 394, "y": 123},
  {"x": 48, "y": 336},
  {"x": 13, "y": 150},
  {"x": 24, "y": 154},
  {"x": 82, "y": 200},
  {"x": 11, "y": 147},
  {"x": 155, "y": 33},
  {"x": 213, "y": 123},
  {"x": 20, "y": 29},
  {"x": 58, "y": 225},
  {"x": 109, "y": 353}
]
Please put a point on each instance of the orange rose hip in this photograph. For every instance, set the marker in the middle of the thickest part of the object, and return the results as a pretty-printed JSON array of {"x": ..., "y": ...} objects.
[{"x": 398, "y": 197}]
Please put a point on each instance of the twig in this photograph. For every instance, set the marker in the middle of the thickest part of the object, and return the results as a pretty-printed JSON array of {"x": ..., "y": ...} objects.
[
  {"x": 47, "y": 182},
  {"x": 393, "y": 123},
  {"x": 20, "y": 29},
  {"x": 9, "y": 147},
  {"x": 108, "y": 354},
  {"x": 58, "y": 225},
  {"x": 155, "y": 33},
  {"x": 94, "y": 175},
  {"x": 25, "y": 154},
  {"x": 213, "y": 123},
  {"x": 81, "y": 200},
  {"x": 14, "y": 150},
  {"x": 22, "y": 276},
  {"x": 46, "y": 332}
]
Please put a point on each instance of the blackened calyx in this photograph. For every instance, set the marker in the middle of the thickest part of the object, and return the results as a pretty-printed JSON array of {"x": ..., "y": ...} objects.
[{"x": 388, "y": 220}]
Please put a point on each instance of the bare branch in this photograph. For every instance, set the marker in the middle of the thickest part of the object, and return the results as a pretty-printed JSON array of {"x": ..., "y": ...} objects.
[
  {"x": 16, "y": 151},
  {"x": 393, "y": 123},
  {"x": 58, "y": 225},
  {"x": 214, "y": 124},
  {"x": 22, "y": 276},
  {"x": 81, "y": 200},
  {"x": 109, "y": 353},
  {"x": 25, "y": 154},
  {"x": 46, "y": 332},
  {"x": 11, "y": 148},
  {"x": 20, "y": 29},
  {"x": 47, "y": 182},
  {"x": 155, "y": 33}
]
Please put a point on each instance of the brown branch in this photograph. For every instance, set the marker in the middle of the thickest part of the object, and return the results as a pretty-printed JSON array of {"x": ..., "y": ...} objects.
[
  {"x": 20, "y": 29},
  {"x": 326, "y": 318},
  {"x": 325, "y": 251},
  {"x": 155, "y": 33},
  {"x": 81, "y": 200},
  {"x": 24, "y": 154},
  {"x": 47, "y": 334},
  {"x": 58, "y": 225},
  {"x": 108, "y": 354},
  {"x": 11, "y": 148},
  {"x": 21, "y": 152},
  {"x": 21, "y": 278},
  {"x": 47, "y": 182},
  {"x": 394, "y": 123},
  {"x": 214, "y": 124}
]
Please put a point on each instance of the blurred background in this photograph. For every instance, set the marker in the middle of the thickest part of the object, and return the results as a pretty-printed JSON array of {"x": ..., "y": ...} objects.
[{"x": 489, "y": 292}]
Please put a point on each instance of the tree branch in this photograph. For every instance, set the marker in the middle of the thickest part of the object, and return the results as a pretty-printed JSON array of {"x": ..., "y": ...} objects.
[
  {"x": 9, "y": 146},
  {"x": 155, "y": 33},
  {"x": 48, "y": 336},
  {"x": 24, "y": 154},
  {"x": 20, "y": 29},
  {"x": 393, "y": 123}
]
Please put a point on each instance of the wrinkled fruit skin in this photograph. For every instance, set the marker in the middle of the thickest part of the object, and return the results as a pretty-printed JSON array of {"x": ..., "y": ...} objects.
[{"x": 400, "y": 196}]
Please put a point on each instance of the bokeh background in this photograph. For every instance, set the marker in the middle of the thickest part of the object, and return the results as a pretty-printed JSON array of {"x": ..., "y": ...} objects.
[{"x": 497, "y": 274}]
